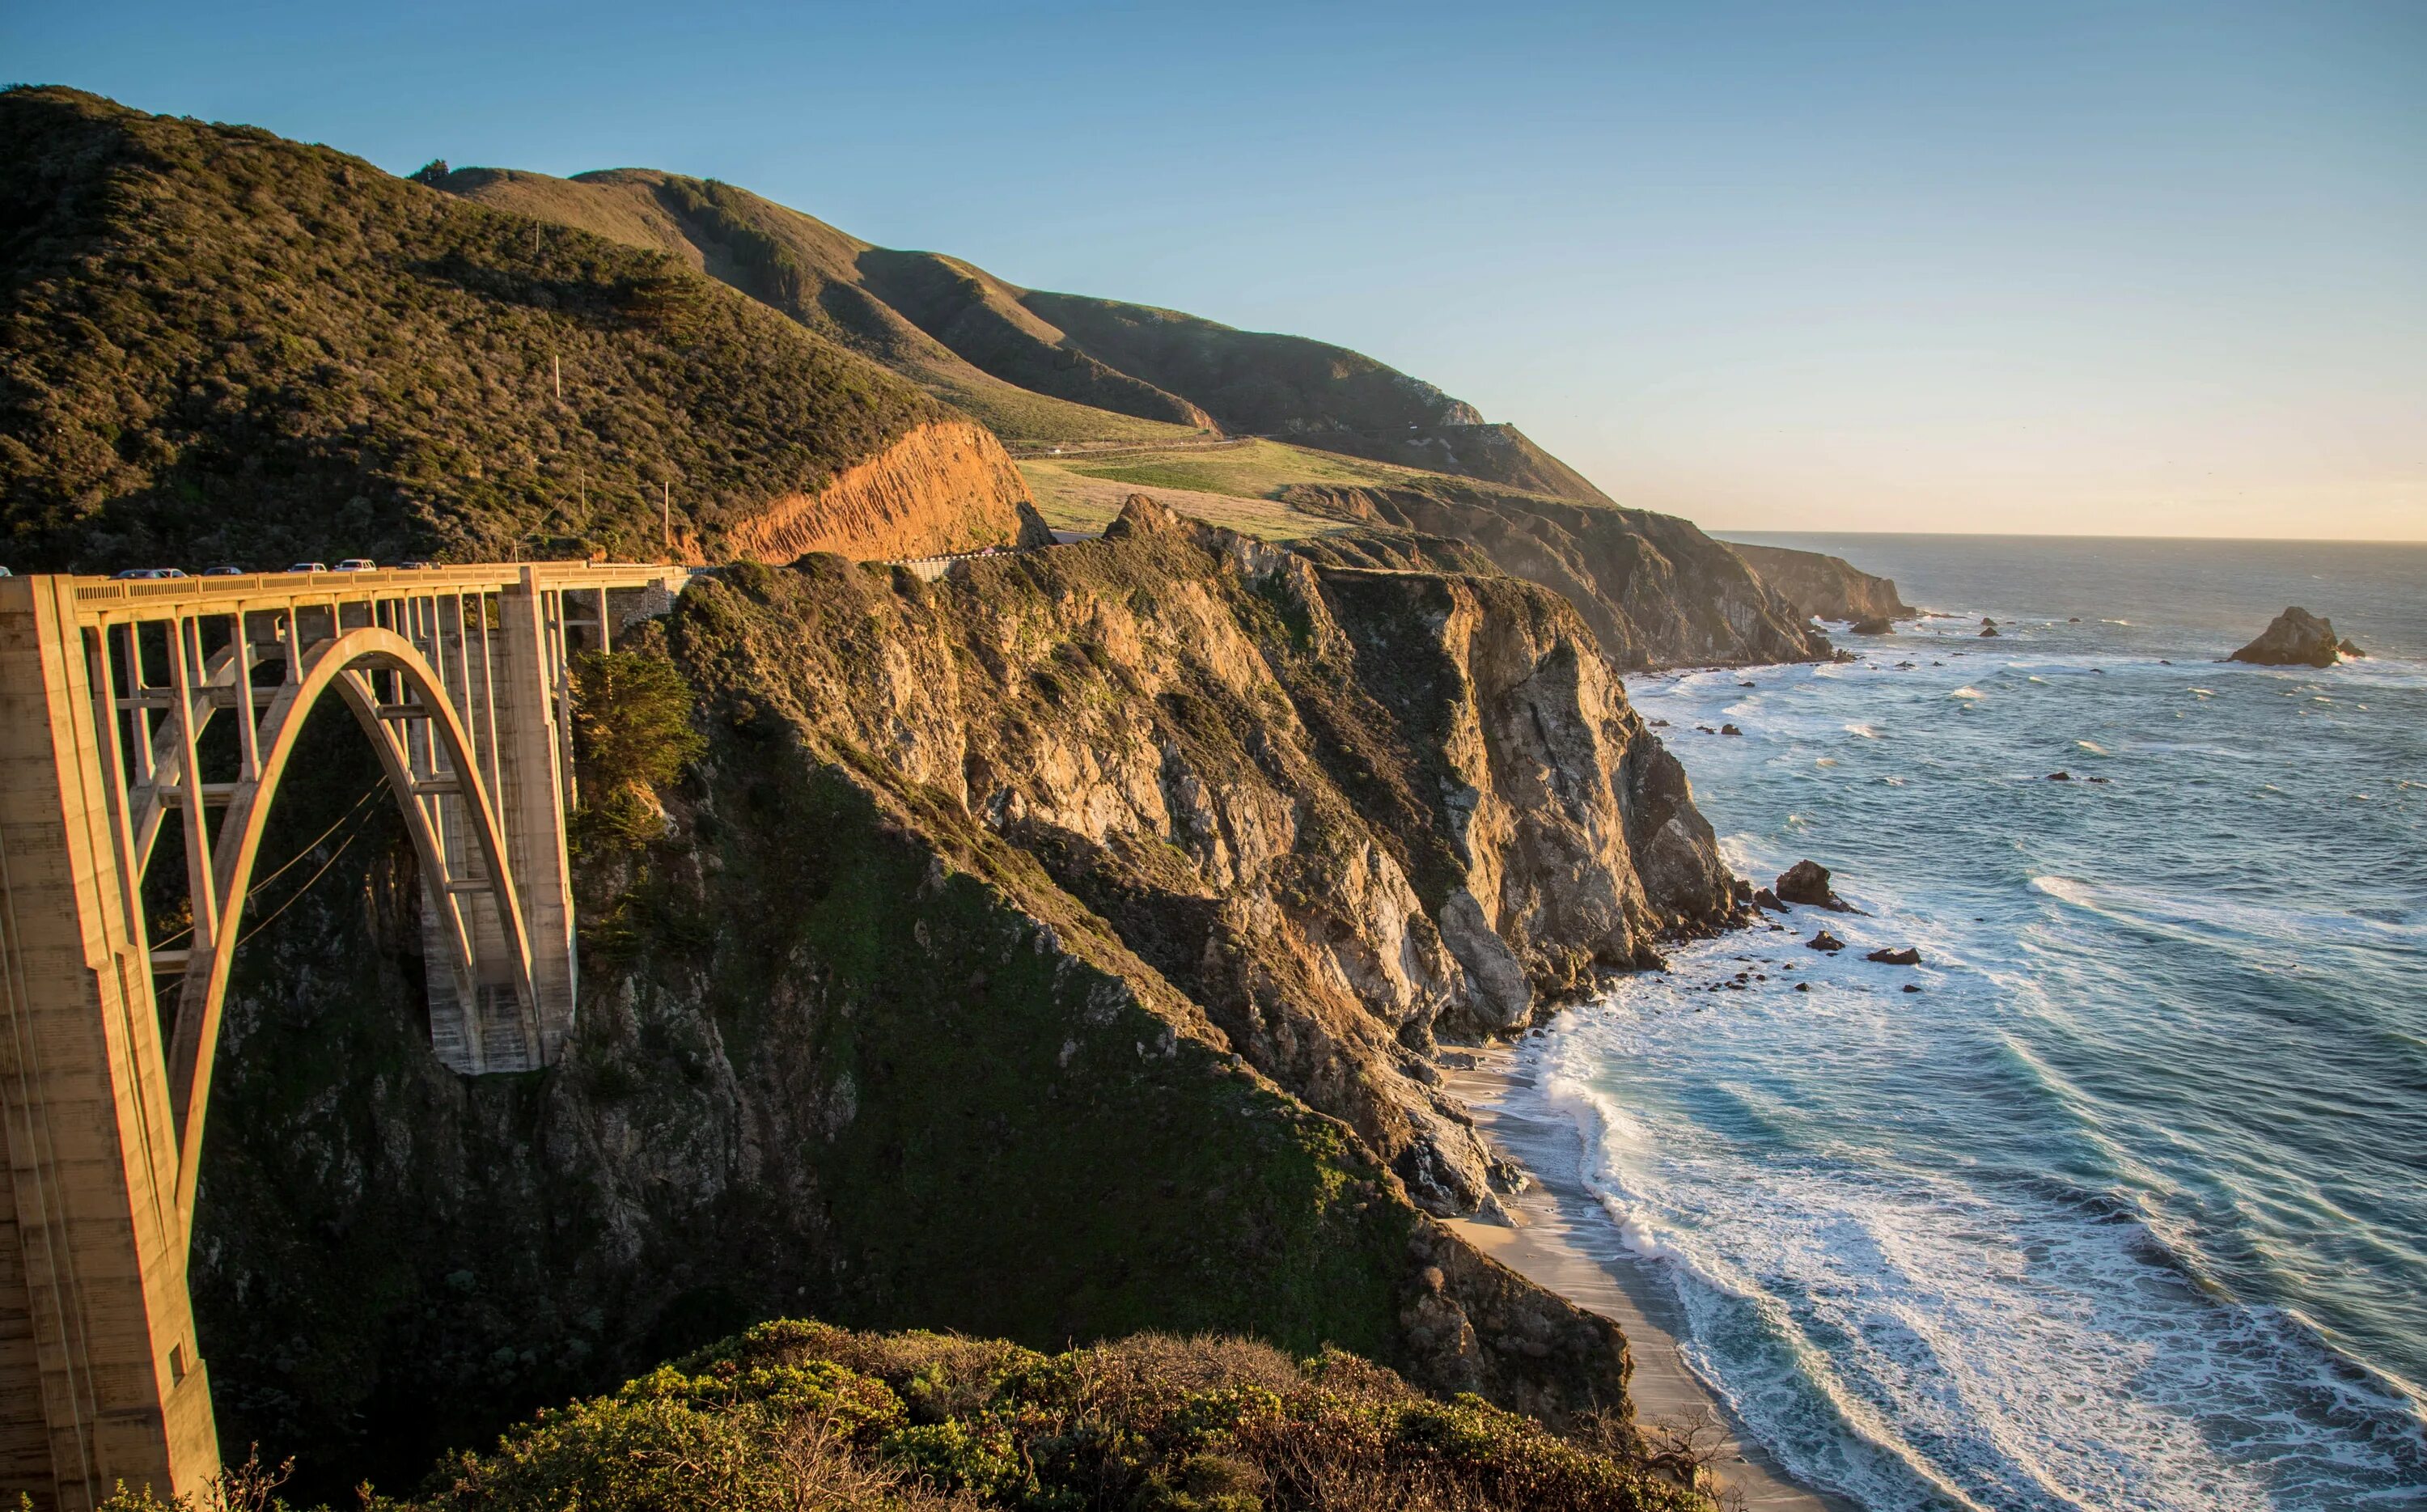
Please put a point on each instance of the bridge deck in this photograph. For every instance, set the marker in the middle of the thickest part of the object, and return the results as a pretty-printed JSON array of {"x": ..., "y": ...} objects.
[{"x": 120, "y": 599}]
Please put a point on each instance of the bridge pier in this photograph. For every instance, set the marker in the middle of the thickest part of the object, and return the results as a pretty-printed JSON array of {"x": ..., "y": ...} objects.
[{"x": 100, "y": 1378}]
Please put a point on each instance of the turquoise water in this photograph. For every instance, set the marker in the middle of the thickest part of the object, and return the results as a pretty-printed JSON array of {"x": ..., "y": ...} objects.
[{"x": 2127, "y": 1206}]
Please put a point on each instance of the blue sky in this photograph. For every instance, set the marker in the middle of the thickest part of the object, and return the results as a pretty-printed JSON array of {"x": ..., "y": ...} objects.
[{"x": 2155, "y": 269}]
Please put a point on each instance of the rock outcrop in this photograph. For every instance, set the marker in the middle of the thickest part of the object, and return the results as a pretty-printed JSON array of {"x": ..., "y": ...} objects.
[
  {"x": 2295, "y": 637},
  {"x": 946, "y": 486},
  {"x": 1826, "y": 587},
  {"x": 1051, "y": 952},
  {"x": 1807, "y": 883},
  {"x": 1655, "y": 591}
]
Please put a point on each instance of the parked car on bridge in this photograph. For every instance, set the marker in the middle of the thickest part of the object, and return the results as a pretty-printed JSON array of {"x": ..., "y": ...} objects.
[
  {"x": 223, "y": 572},
  {"x": 309, "y": 566},
  {"x": 150, "y": 572},
  {"x": 358, "y": 565},
  {"x": 416, "y": 565}
]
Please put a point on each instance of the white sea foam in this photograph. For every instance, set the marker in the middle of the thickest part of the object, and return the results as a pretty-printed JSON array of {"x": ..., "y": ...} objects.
[
  {"x": 1967, "y": 690},
  {"x": 1866, "y": 731}
]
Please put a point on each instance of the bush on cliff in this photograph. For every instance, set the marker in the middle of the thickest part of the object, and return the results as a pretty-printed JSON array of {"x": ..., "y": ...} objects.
[
  {"x": 793, "y": 1415},
  {"x": 632, "y": 736}
]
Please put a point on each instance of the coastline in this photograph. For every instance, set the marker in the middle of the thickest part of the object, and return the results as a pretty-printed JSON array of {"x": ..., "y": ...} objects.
[{"x": 1559, "y": 1237}]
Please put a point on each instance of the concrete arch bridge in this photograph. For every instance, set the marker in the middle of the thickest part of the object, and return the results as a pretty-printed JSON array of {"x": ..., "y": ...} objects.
[{"x": 117, "y": 700}]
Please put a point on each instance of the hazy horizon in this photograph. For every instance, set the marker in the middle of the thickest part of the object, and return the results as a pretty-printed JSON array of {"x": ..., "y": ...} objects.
[{"x": 2069, "y": 269}]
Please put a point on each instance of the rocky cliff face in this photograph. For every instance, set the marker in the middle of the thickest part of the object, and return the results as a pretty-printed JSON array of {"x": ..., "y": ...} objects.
[
  {"x": 1655, "y": 591},
  {"x": 946, "y": 486},
  {"x": 1049, "y": 951},
  {"x": 1829, "y": 587}
]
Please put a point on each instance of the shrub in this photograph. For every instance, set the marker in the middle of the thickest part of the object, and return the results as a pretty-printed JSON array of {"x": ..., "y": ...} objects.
[{"x": 632, "y": 737}]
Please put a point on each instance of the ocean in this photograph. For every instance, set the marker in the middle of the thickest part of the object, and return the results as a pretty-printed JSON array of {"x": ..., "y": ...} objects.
[{"x": 2127, "y": 1207}]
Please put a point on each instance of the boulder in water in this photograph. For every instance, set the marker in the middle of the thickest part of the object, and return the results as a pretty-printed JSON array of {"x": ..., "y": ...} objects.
[
  {"x": 1729, "y": 729},
  {"x": 1874, "y": 624},
  {"x": 2347, "y": 649},
  {"x": 1807, "y": 882},
  {"x": 1908, "y": 956},
  {"x": 2296, "y": 638},
  {"x": 1824, "y": 941},
  {"x": 2060, "y": 776},
  {"x": 1763, "y": 898}
]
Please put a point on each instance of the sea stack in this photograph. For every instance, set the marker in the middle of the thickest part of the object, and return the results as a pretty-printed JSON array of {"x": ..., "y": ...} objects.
[{"x": 2296, "y": 638}]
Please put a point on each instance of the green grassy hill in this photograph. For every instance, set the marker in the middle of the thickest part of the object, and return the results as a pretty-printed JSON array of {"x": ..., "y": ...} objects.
[
  {"x": 1037, "y": 367},
  {"x": 216, "y": 345}
]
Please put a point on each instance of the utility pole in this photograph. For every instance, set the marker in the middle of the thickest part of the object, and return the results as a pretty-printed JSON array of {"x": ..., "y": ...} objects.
[
  {"x": 666, "y": 516},
  {"x": 556, "y": 364}
]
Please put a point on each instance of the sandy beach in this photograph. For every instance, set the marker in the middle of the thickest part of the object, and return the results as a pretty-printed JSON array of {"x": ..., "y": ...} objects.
[{"x": 1563, "y": 1239}]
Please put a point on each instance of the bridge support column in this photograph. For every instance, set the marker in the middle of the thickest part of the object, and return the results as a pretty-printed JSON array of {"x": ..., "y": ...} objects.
[
  {"x": 100, "y": 1380},
  {"x": 534, "y": 779}
]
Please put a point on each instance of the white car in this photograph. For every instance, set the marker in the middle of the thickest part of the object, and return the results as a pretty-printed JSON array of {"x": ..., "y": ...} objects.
[
  {"x": 358, "y": 565},
  {"x": 151, "y": 572}
]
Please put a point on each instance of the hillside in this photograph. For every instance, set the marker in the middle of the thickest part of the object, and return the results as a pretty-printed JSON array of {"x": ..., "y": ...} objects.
[
  {"x": 1037, "y": 367},
  {"x": 219, "y": 346}
]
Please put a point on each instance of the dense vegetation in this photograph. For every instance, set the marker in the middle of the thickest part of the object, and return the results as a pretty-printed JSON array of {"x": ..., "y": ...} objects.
[
  {"x": 799, "y": 1414},
  {"x": 215, "y": 344}
]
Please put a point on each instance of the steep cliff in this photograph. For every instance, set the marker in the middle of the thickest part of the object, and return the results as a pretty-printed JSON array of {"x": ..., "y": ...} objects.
[
  {"x": 1049, "y": 952},
  {"x": 1656, "y": 590},
  {"x": 1829, "y": 588},
  {"x": 945, "y": 486}
]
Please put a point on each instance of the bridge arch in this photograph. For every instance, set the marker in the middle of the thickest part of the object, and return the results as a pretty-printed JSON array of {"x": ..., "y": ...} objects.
[
  {"x": 352, "y": 664},
  {"x": 460, "y": 677}
]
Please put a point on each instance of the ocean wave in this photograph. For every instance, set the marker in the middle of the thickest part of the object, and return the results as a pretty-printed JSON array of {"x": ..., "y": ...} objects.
[{"x": 2217, "y": 919}]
